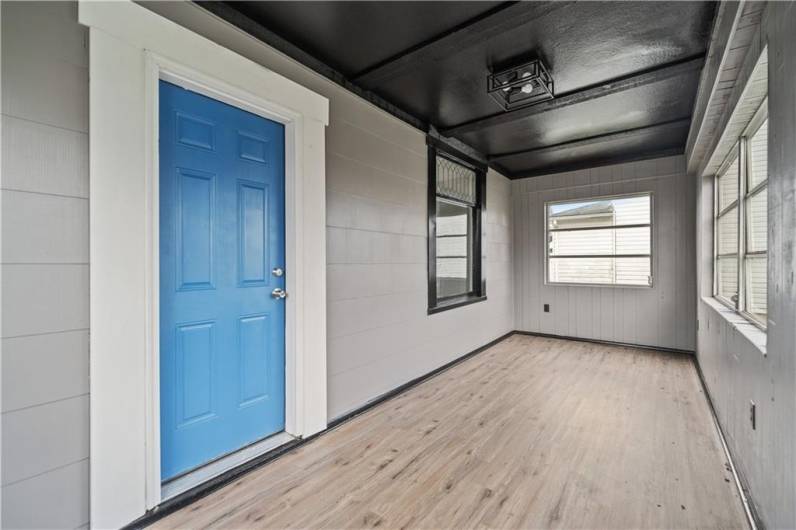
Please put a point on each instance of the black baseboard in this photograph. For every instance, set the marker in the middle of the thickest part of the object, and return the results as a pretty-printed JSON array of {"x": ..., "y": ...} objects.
[
  {"x": 216, "y": 483},
  {"x": 414, "y": 382},
  {"x": 755, "y": 523},
  {"x": 606, "y": 342},
  {"x": 206, "y": 488}
]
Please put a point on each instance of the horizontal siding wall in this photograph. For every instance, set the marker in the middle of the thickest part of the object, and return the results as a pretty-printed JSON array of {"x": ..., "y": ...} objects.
[
  {"x": 44, "y": 197},
  {"x": 379, "y": 335},
  {"x": 662, "y": 316}
]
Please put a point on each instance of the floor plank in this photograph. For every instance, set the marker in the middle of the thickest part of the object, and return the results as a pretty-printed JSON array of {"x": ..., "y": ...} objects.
[{"x": 532, "y": 433}]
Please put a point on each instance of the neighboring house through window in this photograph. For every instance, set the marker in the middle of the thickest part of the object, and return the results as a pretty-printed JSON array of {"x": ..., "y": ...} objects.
[{"x": 600, "y": 241}]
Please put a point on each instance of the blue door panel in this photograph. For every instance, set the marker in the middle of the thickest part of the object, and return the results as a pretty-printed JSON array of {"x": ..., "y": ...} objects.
[{"x": 222, "y": 230}]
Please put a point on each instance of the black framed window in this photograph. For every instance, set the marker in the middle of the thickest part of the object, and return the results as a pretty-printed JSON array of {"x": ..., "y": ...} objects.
[{"x": 456, "y": 196}]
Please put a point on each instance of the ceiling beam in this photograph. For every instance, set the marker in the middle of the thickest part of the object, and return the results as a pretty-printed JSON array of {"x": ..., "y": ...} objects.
[
  {"x": 232, "y": 16},
  {"x": 602, "y": 162},
  {"x": 476, "y": 31},
  {"x": 598, "y": 139},
  {"x": 614, "y": 86}
]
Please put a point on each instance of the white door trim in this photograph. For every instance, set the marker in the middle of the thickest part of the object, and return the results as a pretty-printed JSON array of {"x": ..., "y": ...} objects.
[{"x": 131, "y": 50}]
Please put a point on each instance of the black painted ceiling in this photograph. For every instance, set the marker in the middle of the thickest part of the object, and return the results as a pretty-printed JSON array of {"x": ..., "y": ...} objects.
[{"x": 431, "y": 59}]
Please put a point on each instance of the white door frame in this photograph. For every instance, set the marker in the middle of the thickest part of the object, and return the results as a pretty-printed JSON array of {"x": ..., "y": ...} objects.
[{"x": 131, "y": 50}]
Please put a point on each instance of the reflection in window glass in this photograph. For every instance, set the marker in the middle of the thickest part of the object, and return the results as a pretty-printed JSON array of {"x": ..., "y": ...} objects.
[{"x": 728, "y": 185}]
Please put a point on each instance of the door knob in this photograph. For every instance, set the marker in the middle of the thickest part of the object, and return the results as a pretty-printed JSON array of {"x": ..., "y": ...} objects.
[
  {"x": 278, "y": 293},
  {"x": 278, "y": 272}
]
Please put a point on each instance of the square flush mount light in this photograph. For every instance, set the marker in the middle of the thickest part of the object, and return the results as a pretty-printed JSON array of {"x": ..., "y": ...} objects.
[{"x": 521, "y": 85}]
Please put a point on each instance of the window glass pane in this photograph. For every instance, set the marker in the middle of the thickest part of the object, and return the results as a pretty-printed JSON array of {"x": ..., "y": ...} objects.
[
  {"x": 757, "y": 221},
  {"x": 758, "y": 156},
  {"x": 582, "y": 270},
  {"x": 728, "y": 185},
  {"x": 606, "y": 241},
  {"x": 601, "y": 212},
  {"x": 756, "y": 274},
  {"x": 727, "y": 270},
  {"x": 728, "y": 232},
  {"x": 608, "y": 270},
  {"x": 454, "y": 248},
  {"x": 633, "y": 271},
  {"x": 455, "y": 180}
]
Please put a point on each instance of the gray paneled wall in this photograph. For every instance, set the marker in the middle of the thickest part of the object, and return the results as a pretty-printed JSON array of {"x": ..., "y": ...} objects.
[
  {"x": 44, "y": 266},
  {"x": 741, "y": 364},
  {"x": 663, "y": 315}
]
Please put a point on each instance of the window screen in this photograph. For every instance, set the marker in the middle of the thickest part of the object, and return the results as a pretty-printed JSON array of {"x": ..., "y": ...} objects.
[{"x": 600, "y": 241}]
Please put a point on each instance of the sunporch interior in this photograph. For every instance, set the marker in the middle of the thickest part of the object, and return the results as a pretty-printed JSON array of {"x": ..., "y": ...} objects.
[{"x": 654, "y": 388}]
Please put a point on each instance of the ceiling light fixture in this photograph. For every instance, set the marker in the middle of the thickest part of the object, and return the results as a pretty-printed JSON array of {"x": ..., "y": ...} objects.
[{"x": 521, "y": 85}]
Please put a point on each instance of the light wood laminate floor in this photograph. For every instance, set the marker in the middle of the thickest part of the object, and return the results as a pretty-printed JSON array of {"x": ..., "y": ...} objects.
[{"x": 532, "y": 433}]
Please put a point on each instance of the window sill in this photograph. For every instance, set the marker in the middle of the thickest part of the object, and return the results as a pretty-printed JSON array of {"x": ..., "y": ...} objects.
[
  {"x": 453, "y": 303},
  {"x": 740, "y": 323}
]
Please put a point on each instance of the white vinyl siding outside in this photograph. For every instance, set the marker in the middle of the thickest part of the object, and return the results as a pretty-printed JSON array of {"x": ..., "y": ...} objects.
[
  {"x": 741, "y": 224},
  {"x": 756, "y": 207},
  {"x": 600, "y": 241},
  {"x": 727, "y": 232}
]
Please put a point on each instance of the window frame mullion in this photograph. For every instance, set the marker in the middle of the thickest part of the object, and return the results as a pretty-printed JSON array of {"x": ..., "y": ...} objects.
[{"x": 743, "y": 158}]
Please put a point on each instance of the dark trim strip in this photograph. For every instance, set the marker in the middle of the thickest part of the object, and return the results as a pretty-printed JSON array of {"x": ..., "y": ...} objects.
[
  {"x": 234, "y": 17},
  {"x": 475, "y": 31},
  {"x": 203, "y": 490},
  {"x": 597, "y": 139},
  {"x": 611, "y": 161},
  {"x": 414, "y": 382},
  {"x": 449, "y": 146},
  {"x": 606, "y": 342},
  {"x": 465, "y": 300},
  {"x": 752, "y": 515},
  {"x": 206, "y": 488},
  {"x": 620, "y": 84},
  {"x": 255, "y": 29}
]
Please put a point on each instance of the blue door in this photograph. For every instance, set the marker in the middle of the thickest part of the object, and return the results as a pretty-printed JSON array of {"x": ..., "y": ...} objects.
[{"x": 222, "y": 253}]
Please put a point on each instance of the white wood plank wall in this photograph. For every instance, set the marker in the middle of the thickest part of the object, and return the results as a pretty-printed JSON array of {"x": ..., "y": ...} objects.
[
  {"x": 44, "y": 266},
  {"x": 663, "y": 315}
]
